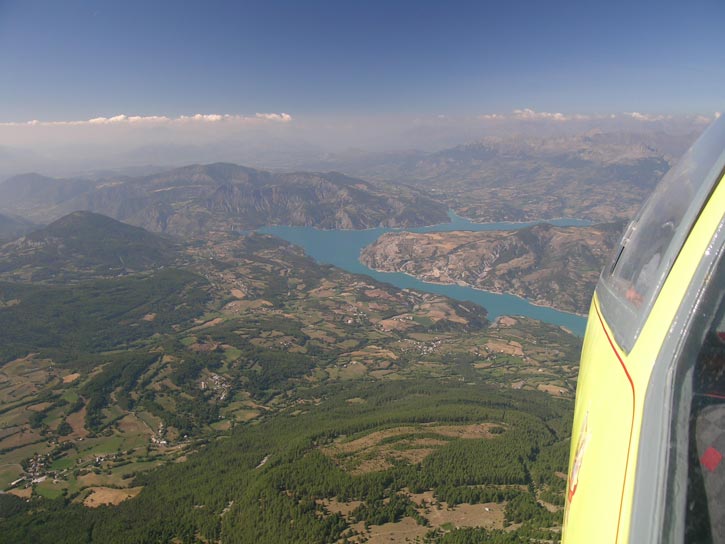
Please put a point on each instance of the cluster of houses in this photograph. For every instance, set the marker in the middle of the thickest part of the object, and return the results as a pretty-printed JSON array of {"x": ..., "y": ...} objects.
[
  {"x": 354, "y": 315},
  {"x": 424, "y": 348},
  {"x": 218, "y": 384}
]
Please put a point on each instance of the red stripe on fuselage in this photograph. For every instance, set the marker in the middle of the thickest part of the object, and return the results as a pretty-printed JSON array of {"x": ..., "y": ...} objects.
[{"x": 631, "y": 424}]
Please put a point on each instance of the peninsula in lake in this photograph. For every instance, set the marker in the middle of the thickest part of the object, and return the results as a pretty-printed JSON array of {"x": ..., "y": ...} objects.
[{"x": 551, "y": 266}]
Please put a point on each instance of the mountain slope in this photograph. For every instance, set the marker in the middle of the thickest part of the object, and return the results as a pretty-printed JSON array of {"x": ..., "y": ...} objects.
[
  {"x": 11, "y": 227},
  {"x": 552, "y": 266},
  {"x": 84, "y": 244},
  {"x": 597, "y": 176},
  {"x": 32, "y": 194},
  {"x": 227, "y": 197}
]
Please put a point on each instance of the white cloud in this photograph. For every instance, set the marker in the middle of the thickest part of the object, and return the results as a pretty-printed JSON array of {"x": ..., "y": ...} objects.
[
  {"x": 203, "y": 118},
  {"x": 491, "y": 116},
  {"x": 637, "y": 116},
  {"x": 281, "y": 117},
  {"x": 108, "y": 120},
  {"x": 528, "y": 114},
  {"x": 159, "y": 120}
]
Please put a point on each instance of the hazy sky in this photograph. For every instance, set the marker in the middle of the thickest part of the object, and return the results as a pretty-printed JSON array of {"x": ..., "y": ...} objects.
[
  {"x": 66, "y": 60},
  {"x": 112, "y": 83}
]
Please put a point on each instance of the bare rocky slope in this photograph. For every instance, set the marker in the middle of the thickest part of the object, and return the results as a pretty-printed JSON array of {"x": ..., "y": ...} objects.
[
  {"x": 226, "y": 197},
  {"x": 551, "y": 266}
]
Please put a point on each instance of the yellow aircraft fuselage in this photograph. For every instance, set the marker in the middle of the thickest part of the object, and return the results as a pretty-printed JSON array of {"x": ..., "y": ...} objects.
[{"x": 611, "y": 391}]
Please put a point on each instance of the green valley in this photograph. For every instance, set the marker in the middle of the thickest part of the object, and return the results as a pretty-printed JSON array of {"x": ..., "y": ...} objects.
[{"x": 242, "y": 391}]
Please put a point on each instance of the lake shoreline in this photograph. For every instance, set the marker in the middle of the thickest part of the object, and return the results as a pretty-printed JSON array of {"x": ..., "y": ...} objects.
[
  {"x": 342, "y": 248},
  {"x": 469, "y": 286}
]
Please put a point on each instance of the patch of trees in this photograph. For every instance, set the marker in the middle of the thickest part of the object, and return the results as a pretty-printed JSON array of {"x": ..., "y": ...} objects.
[
  {"x": 120, "y": 375},
  {"x": 36, "y": 419},
  {"x": 525, "y": 508},
  {"x": 271, "y": 369},
  {"x": 476, "y": 461},
  {"x": 470, "y": 535},
  {"x": 187, "y": 371},
  {"x": 188, "y": 416},
  {"x": 380, "y": 511},
  {"x": 454, "y": 495},
  {"x": 64, "y": 428},
  {"x": 68, "y": 322}
]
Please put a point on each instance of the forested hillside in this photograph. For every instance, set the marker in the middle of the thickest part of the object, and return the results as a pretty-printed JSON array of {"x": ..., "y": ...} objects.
[
  {"x": 249, "y": 394},
  {"x": 277, "y": 481}
]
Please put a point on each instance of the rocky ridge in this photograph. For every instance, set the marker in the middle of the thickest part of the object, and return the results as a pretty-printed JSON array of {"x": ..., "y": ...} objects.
[
  {"x": 551, "y": 266},
  {"x": 226, "y": 197}
]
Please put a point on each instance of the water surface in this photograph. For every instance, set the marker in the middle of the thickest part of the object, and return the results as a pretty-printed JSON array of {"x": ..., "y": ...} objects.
[{"x": 342, "y": 248}]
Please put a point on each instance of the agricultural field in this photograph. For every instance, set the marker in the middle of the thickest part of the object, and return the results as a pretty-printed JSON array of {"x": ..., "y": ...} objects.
[{"x": 276, "y": 389}]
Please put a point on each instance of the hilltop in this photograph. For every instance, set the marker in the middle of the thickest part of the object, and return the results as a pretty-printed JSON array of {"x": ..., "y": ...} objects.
[{"x": 84, "y": 244}]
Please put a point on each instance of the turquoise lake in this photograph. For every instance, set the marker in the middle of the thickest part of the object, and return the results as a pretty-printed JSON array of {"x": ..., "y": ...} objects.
[{"x": 342, "y": 248}]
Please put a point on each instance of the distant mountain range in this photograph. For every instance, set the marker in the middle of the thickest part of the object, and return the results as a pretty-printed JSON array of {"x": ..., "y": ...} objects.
[
  {"x": 552, "y": 266},
  {"x": 600, "y": 176},
  {"x": 30, "y": 191},
  {"x": 596, "y": 175},
  {"x": 225, "y": 197}
]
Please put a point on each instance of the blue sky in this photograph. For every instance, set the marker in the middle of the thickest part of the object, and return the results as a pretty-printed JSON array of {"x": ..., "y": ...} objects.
[{"x": 69, "y": 59}]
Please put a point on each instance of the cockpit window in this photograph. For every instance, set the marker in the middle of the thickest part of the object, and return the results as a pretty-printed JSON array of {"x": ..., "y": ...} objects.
[
  {"x": 706, "y": 481},
  {"x": 642, "y": 261},
  {"x": 696, "y": 495},
  {"x": 680, "y": 472}
]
